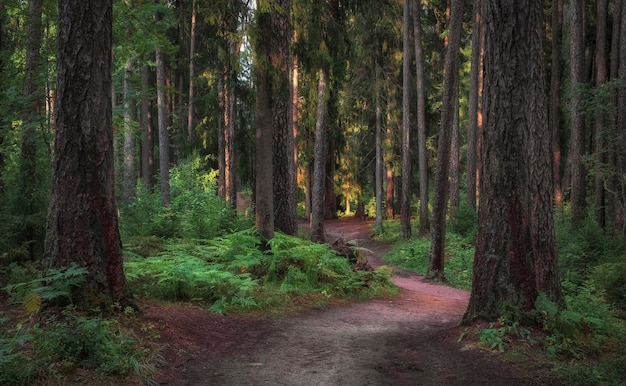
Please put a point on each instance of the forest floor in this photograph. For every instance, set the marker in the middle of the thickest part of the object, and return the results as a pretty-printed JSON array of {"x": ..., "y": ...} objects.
[{"x": 411, "y": 339}]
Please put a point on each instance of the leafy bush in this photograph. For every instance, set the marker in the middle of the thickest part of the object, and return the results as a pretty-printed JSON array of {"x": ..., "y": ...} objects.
[{"x": 195, "y": 211}]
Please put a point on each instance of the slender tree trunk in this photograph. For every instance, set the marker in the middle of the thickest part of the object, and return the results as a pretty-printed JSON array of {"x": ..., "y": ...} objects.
[
  {"x": 555, "y": 99},
  {"x": 474, "y": 96},
  {"x": 284, "y": 166},
  {"x": 424, "y": 221},
  {"x": 515, "y": 256},
  {"x": 621, "y": 117},
  {"x": 130, "y": 143},
  {"x": 455, "y": 188},
  {"x": 577, "y": 122},
  {"x": 192, "y": 54},
  {"x": 264, "y": 131},
  {"x": 164, "y": 139},
  {"x": 33, "y": 104},
  {"x": 82, "y": 219},
  {"x": 614, "y": 181},
  {"x": 221, "y": 140},
  {"x": 330, "y": 198},
  {"x": 230, "y": 139},
  {"x": 319, "y": 168},
  {"x": 405, "y": 199},
  {"x": 451, "y": 73},
  {"x": 379, "y": 155},
  {"x": 147, "y": 136},
  {"x": 599, "y": 118}
]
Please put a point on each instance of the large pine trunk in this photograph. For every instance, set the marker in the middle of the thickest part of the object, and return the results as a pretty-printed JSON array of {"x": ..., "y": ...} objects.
[
  {"x": 82, "y": 220},
  {"x": 515, "y": 257},
  {"x": 264, "y": 194},
  {"x": 284, "y": 162}
]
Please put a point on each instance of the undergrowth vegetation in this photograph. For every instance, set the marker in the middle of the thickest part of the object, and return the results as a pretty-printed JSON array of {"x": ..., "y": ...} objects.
[{"x": 585, "y": 340}]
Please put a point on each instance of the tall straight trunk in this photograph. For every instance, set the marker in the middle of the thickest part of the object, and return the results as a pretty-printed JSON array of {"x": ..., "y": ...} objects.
[
  {"x": 577, "y": 122},
  {"x": 599, "y": 118},
  {"x": 621, "y": 115},
  {"x": 221, "y": 140},
  {"x": 330, "y": 197},
  {"x": 319, "y": 167},
  {"x": 230, "y": 141},
  {"x": 147, "y": 131},
  {"x": 130, "y": 143},
  {"x": 405, "y": 149},
  {"x": 515, "y": 256},
  {"x": 264, "y": 194},
  {"x": 164, "y": 139},
  {"x": 82, "y": 219},
  {"x": 555, "y": 99},
  {"x": 379, "y": 155},
  {"x": 614, "y": 182},
  {"x": 455, "y": 188},
  {"x": 192, "y": 54},
  {"x": 33, "y": 104},
  {"x": 451, "y": 73},
  {"x": 473, "y": 102},
  {"x": 424, "y": 221},
  {"x": 284, "y": 165}
]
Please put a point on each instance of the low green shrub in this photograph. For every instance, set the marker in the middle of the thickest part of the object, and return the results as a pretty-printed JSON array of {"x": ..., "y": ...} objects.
[{"x": 238, "y": 271}]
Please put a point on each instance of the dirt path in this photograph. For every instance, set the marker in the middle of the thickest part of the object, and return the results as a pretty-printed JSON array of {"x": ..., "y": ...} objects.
[{"x": 410, "y": 340}]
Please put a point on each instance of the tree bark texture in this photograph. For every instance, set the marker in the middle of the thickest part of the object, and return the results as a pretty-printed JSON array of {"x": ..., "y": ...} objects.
[
  {"x": 130, "y": 143},
  {"x": 515, "y": 257},
  {"x": 284, "y": 166},
  {"x": 422, "y": 151},
  {"x": 379, "y": 154},
  {"x": 405, "y": 147},
  {"x": 147, "y": 130},
  {"x": 192, "y": 53},
  {"x": 440, "y": 205},
  {"x": 164, "y": 137},
  {"x": 577, "y": 122},
  {"x": 599, "y": 198},
  {"x": 319, "y": 166},
  {"x": 264, "y": 131},
  {"x": 82, "y": 220}
]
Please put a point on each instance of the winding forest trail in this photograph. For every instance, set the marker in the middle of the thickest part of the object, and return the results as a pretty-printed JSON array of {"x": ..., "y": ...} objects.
[{"x": 408, "y": 340}]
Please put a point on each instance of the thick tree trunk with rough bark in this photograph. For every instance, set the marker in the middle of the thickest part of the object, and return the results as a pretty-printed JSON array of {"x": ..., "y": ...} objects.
[
  {"x": 264, "y": 195},
  {"x": 515, "y": 256},
  {"x": 319, "y": 167},
  {"x": 284, "y": 165},
  {"x": 440, "y": 205},
  {"x": 82, "y": 220},
  {"x": 405, "y": 147}
]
